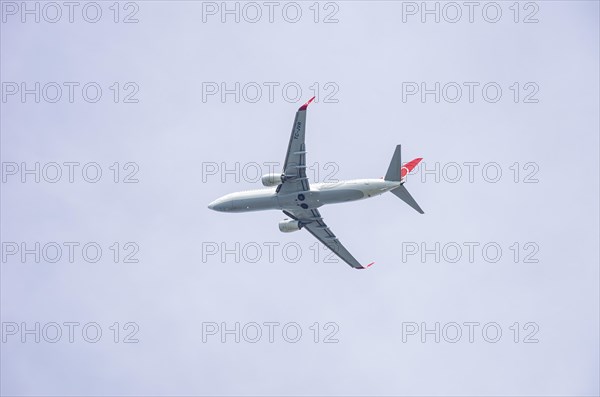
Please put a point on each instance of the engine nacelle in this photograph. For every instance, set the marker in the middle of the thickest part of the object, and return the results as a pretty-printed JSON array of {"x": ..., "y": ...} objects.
[
  {"x": 289, "y": 225},
  {"x": 271, "y": 179}
]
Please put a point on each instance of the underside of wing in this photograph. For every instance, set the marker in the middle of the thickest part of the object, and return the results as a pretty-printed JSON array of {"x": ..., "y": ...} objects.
[
  {"x": 294, "y": 167},
  {"x": 312, "y": 221}
]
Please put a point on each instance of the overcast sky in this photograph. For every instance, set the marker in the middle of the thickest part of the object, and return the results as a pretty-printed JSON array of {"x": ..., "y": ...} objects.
[{"x": 501, "y": 101}]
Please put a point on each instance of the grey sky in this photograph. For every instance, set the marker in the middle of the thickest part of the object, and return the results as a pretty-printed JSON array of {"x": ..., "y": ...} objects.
[{"x": 175, "y": 132}]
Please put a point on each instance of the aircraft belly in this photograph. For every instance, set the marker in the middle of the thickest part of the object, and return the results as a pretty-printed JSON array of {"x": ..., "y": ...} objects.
[
  {"x": 340, "y": 196},
  {"x": 255, "y": 204},
  {"x": 304, "y": 200}
]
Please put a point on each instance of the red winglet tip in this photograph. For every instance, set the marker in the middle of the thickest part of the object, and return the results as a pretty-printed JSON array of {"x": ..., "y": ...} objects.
[
  {"x": 303, "y": 107},
  {"x": 369, "y": 265}
]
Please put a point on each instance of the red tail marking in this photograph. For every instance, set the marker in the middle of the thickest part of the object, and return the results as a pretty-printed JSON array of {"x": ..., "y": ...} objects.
[{"x": 408, "y": 167}]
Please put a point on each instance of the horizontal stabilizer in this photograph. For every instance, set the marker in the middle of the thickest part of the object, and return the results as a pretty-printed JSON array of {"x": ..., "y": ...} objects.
[
  {"x": 393, "y": 172},
  {"x": 405, "y": 196}
]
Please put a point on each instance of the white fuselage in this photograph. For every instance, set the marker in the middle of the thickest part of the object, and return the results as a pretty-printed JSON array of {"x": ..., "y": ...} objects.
[{"x": 318, "y": 195}]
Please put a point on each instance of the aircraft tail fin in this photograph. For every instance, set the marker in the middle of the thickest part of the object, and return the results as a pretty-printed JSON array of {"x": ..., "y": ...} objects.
[{"x": 397, "y": 172}]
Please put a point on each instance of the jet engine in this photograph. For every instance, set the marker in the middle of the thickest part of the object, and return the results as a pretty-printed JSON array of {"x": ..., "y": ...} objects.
[
  {"x": 289, "y": 225},
  {"x": 271, "y": 179}
]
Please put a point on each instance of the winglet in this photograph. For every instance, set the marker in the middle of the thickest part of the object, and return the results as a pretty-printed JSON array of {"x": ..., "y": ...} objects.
[
  {"x": 408, "y": 167},
  {"x": 303, "y": 107},
  {"x": 369, "y": 265}
]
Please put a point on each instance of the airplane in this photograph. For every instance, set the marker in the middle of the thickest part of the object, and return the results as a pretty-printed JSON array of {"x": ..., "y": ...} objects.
[{"x": 300, "y": 201}]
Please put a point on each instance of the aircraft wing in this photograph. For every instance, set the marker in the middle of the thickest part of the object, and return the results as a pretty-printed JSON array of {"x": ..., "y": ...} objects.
[
  {"x": 313, "y": 222},
  {"x": 294, "y": 167}
]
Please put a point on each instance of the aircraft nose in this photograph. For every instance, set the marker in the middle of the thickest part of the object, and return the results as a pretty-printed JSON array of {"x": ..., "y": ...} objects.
[
  {"x": 215, "y": 205},
  {"x": 219, "y": 205}
]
